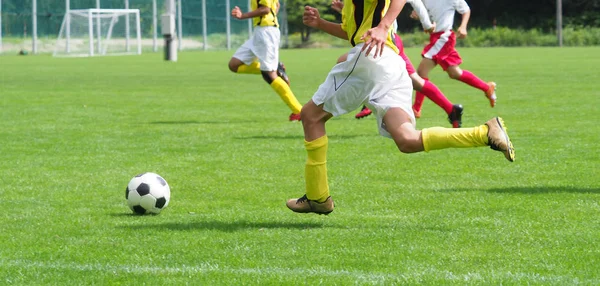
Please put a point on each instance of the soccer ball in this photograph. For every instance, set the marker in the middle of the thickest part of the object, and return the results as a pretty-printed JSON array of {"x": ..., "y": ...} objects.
[{"x": 147, "y": 193}]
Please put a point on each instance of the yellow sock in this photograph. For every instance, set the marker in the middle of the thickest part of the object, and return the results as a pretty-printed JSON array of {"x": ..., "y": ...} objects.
[
  {"x": 253, "y": 68},
  {"x": 286, "y": 94},
  {"x": 436, "y": 138},
  {"x": 315, "y": 170}
]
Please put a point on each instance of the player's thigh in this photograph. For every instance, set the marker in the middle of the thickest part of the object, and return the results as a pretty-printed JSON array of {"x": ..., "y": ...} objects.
[
  {"x": 244, "y": 54},
  {"x": 425, "y": 67}
]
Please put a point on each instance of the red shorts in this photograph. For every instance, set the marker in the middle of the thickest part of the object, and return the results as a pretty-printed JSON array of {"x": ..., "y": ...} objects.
[
  {"x": 441, "y": 49},
  {"x": 409, "y": 66}
]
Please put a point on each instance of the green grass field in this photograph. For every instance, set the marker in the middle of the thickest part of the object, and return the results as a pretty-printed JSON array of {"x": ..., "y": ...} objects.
[{"x": 74, "y": 131}]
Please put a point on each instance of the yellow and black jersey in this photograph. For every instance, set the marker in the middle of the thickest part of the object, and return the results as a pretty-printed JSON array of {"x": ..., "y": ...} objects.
[
  {"x": 358, "y": 16},
  {"x": 269, "y": 19}
]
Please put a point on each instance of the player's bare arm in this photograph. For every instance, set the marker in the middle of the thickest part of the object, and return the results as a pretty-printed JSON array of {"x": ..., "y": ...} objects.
[
  {"x": 260, "y": 11},
  {"x": 420, "y": 13},
  {"x": 313, "y": 19},
  {"x": 462, "y": 29},
  {"x": 337, "y": 5},
  {"x": 376, "y": 37}
]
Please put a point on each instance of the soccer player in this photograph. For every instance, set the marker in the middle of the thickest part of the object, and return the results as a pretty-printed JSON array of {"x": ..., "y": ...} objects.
[
  {"x": 441, "y": 48},
  {"x": 374, "y": 79},
  {"x": 430, "y": 90},
  {"x": 260, "y": 54}
]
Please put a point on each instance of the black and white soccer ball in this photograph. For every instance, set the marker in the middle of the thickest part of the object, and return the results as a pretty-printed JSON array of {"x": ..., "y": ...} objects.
[{"x": 147, "y": 193}]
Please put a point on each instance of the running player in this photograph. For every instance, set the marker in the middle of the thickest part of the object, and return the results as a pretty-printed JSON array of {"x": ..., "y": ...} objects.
[
  {"x": 430, "y": 90},
  {"x": 374, "y": 79},
  {"x": 441, "y": 48},
  {"x": 260, "y": 54}
]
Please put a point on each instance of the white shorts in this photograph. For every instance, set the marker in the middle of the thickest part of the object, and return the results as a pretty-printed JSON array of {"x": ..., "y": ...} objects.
[
  {"x": 264, "y": 45},
  {"x": 380, "y": 83}
]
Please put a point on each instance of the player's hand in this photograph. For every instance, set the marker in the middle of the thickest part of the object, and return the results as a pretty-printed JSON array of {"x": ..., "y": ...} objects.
[
  {"x": 462, "y": 32},
  {"x": 337, "y": 5},
  {"x": 430, "y": 30},
  {"x": 374, "y": 38},
  {"x": 311, "y": 17},
  {"x": 236, "y": 12},
  {"x": 414, "y": 15}
]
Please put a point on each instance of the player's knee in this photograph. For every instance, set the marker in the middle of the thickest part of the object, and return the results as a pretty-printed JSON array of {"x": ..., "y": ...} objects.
[
  {"x": 454, "y": 72},
  {"x": 233, "y": 66},
  {"x": 407, "y": 147},
  {"x": 407, "y": 142},
  {"x": 453, "y": 75},
  {"x": 268, "y": 76}
]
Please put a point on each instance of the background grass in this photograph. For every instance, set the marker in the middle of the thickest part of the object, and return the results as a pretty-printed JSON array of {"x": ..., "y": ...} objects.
[{"x": 74, "y": 131}]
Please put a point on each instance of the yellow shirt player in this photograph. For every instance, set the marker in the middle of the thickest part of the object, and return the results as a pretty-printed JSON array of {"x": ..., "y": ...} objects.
[
  {"x": 374, "y": 75},
  {"x": 260, "y": 54}
]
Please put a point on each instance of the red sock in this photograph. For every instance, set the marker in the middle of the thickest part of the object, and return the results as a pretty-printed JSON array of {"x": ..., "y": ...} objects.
[
  {"x": 419, "y": 97},
  {"x": 433, "y": 92},
  {"x": 472, "y": 80}
]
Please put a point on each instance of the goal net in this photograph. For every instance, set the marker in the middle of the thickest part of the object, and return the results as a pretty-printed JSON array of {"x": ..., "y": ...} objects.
[{"x": 99, "y": 32}]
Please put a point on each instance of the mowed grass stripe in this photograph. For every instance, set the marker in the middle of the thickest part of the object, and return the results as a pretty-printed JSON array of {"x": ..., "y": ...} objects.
[{"x": 366, "y": 277}]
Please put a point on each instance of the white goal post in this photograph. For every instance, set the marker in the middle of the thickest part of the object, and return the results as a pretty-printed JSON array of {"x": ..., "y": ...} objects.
[{"x": 93, "y": 32}]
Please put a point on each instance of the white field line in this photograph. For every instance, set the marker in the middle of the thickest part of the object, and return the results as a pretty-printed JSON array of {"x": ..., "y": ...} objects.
[{"x": 276, "y": 271}]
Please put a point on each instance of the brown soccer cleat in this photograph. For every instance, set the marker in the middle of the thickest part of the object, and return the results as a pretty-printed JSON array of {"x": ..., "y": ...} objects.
[
  {"x": 498, "y": 138},
  {"x": 304, "y": 205},
  {"x": 491, "y": 93}
]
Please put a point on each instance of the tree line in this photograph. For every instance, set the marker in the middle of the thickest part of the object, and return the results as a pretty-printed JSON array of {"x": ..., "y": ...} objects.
[{"x": 515, "y": 14}]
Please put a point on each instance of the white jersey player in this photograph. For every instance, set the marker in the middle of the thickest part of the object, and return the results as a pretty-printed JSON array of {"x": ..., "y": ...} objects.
[{"x": 441, "y": 48}]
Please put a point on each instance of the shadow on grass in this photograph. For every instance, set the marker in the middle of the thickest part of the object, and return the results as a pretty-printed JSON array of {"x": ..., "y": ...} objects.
[
  {"x": 228, "y": 226},
  {"x": 532, "y": 190},
  {"x": 183, "y": 122},
  {"x": 298, "y": 137}
]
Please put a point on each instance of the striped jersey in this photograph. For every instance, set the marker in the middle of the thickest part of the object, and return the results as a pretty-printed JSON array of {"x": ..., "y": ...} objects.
[
  {"x": 269, "y": 19},
  {"x": 358, "y": 16}
]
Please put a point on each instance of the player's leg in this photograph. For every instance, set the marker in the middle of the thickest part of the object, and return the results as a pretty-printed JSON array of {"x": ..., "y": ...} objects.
[
  {"x": 409, "y": 140},
  {"x": 316, "y": 198},
  {"x": 424, "y": 87},
  {"x": 284, "y": 91},
  {"x": 488, "y": 88},
  {"x": 432, "y": 92},
  {"x": 266, "y": 48},
  {"x": 332, "y": 98},
  {"x": 423, "y": 70},
  {"x": 244, "y": 61},
  {"x": 237, "y": 66}
]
